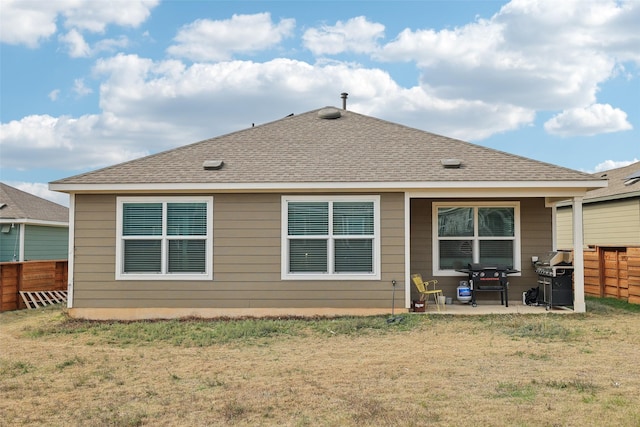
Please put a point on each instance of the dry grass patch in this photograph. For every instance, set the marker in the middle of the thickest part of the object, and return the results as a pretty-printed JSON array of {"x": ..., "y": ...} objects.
[{"x": 507, "y": 370}]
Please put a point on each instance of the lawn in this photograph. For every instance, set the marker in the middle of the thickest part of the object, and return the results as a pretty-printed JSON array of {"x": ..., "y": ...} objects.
[{"x": 439, "y": 370}]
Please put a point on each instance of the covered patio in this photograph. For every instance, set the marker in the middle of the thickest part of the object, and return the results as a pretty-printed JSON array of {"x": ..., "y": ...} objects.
[{"x": 519, "y": 229}]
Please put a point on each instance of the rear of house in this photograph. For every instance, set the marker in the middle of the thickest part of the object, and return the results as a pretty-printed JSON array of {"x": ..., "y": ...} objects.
[{"x": 327, "y": 212}]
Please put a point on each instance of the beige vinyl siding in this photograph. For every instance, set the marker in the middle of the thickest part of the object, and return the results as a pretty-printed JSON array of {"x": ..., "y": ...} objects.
[
  {"x": 612, "y": 223},
  {"x": 564, "y": 228},
  {"x": 535, "y": 230},
  {"x": 246, "y": 262}
]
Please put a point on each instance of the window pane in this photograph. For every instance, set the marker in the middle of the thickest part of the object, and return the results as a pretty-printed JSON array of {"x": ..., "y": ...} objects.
[
  {"x": 354, "y": 256},
  {"x": 456, "y": 222},
  {"x": 496, "y": 222},
  {"x": 307, "y": 256},
  {"x": 186, "y": 219},
  {"x": 496, "y": 252},
  {"x": 142, "y": 256},
  {"x": 142, "y": 219},
  {"x": 353, "y": 218},
  {"x": 455, "y": 254},
  {"x": 308, "y": 218},
  {"x": 187, "y": 256}
]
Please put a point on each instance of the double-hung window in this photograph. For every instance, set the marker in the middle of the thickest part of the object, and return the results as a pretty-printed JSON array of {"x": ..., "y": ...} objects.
[
  {"x": 464, "y": 233},
  {"x": 331, "y": 237},
  {"x": 164, "y": 238}
]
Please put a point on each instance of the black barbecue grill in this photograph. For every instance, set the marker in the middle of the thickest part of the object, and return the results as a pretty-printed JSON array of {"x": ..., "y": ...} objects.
[
  {"x": 483, "y": 278},
  {"x": 555, "y": 277}
]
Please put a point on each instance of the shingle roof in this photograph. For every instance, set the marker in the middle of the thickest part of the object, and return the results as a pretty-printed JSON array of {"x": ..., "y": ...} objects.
[
  {"x": 307, "y": 148},
  {"x": 21, "y": 205},
  {"x": 619, "y": 185}
]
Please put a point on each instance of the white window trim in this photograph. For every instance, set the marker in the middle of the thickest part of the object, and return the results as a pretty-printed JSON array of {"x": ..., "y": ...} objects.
[
  {"x": 207, "y": 275},
  {"x": 517, "y": 259},
  {"x": 286, "y": 275}
]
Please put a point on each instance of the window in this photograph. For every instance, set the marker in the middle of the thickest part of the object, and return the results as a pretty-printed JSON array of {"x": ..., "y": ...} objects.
[
  {"x": 329, "y": 238},
  {"x": 475, "y": 233},
  {"x": 164, "y": 238}
]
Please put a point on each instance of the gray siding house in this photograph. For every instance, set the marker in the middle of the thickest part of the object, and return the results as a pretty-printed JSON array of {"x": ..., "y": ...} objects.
[
  {"x": 326, "y": 212},
  {"x": 31, "y": 228},
  {"x": 611, "y": 214}
]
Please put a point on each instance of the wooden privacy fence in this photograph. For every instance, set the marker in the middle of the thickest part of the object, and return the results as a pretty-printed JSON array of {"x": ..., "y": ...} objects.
[
  {"x": 40, "y": 282},
  {"x": 613, "y": 272}
]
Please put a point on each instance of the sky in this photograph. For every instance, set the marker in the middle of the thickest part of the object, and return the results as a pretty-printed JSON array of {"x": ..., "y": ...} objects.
[{"x": 86, "y": 84}]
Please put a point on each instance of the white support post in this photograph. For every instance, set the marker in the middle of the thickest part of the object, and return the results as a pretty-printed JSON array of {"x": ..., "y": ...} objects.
[
  {"x": 554, "y": 226},
  {"x": 578, "y": 257}
]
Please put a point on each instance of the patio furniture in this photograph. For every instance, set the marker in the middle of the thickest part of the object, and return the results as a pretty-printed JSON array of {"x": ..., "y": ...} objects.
[{"x": 426, "y": 289}]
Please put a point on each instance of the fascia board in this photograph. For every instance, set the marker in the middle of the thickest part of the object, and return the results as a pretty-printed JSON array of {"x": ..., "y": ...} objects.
[{"x": 566, "y": 187}]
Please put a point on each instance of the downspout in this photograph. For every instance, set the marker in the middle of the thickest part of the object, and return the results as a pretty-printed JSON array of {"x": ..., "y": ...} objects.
[{"x": 579, "y": 305}]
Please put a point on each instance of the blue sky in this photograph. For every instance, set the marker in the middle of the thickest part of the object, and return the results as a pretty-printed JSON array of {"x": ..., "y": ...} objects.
[{"x": 88, "y": 83}]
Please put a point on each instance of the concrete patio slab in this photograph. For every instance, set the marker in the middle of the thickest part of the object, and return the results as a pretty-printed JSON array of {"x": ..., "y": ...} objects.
[{"x": 495, "y": 308}]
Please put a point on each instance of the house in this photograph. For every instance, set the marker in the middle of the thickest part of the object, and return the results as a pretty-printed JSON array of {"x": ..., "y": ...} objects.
[
  {"x": 326, "y": 212},
  {"x": 31, "y": 228},
  {"x": 611, "y": 215}
]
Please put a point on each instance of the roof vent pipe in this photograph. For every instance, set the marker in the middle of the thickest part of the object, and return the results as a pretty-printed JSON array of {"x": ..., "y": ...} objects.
[{"x": 344, "y": 95}]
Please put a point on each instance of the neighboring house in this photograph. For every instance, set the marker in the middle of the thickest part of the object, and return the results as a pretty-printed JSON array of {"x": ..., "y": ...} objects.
[
  {"x": 317, "y": 213},
  {"x": 31, "y": 228},
  {"x": 611, "y": 215}
]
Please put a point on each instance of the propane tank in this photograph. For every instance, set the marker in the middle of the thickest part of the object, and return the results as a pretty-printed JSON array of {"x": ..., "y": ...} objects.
[{"x": 464, "y": 292}]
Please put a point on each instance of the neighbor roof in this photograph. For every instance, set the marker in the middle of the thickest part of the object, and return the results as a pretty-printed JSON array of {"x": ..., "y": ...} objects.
[
  {"x": 19, "y": 205},
  {"x": 621, "y": 184},
  {"x": 308, "y": 148}
]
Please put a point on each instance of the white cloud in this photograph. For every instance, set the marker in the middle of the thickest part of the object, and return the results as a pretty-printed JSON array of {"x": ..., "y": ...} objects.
[
  {"x": 355, "y": 35},
  {"x": 94, "y": 16},
  {"x": 612, "y": 164},
  {"x": 53, "y": 95},
  {"x": 207, "y": 40},
  {"x": 29, "y": 22},
  {"x": 592, "y": 120},
  {"x": 149, "y": 106},
  {"x": 545, "y": 54},
  {"x": 75, "y": 44},
  {"x": 80, "y": 89},
  {"x": 75, "y": 143},
  {"x": 168, "y": 91}
]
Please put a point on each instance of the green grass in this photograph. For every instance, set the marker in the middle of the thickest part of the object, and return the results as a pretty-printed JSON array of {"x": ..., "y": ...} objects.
[
  {"x": 202, "y": 332},
  {"x": 580, "y": 385},
  {"x": 510, "y": 390},
  {"x": 196, "y": 332},
  {"x": 606, "y": 305},
  {"x": 12, "y": 369}
]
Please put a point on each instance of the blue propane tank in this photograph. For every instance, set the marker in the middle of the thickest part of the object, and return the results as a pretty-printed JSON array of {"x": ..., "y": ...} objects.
[{"x": 464, "y": 292}]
